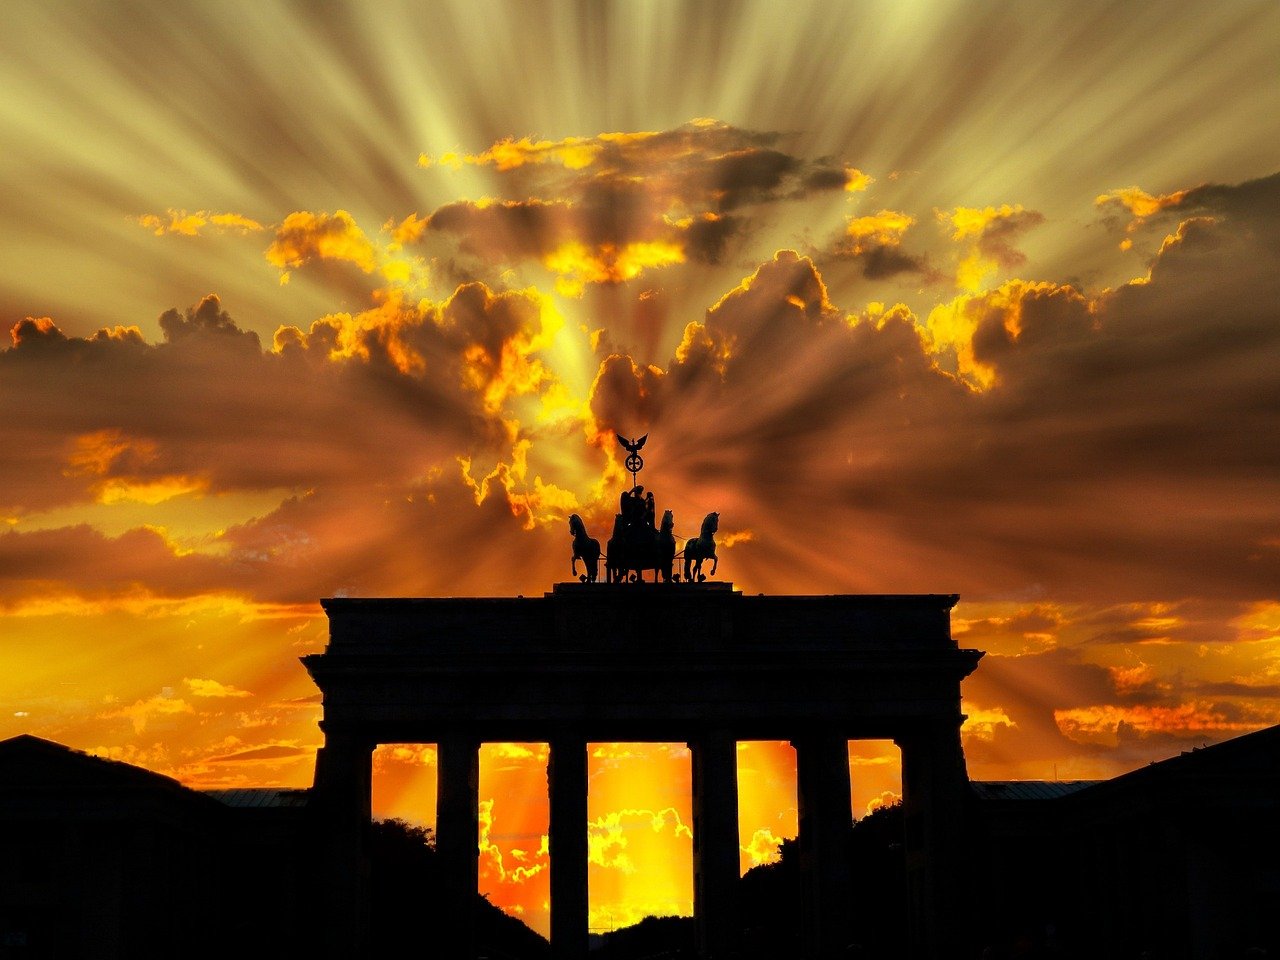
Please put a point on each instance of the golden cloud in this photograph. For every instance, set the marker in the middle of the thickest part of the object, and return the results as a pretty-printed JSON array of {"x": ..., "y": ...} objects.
[
  {"x": 619, "y": 205},
  {"x": 1140, "y": 205},
  {"x": 305, "y": 236},
  {"x": 886, "y": 798},
  {"x": 384, "y": 328},
  {"x": 607, "y": 835},
  {"x": 1104, "y": 722},
  {"x": 93, "y": 454},
  {"x": 988, "y": 232},
  {"x": 191, "y": 224},
  {"x": 573, "y": 153},
  {"x": 143, "y": 712},
  {"x": 212, "y": 688},
  {"x": 763, "y": 847},
  {"x": 543, "y": 504},
  {"x": 982, "y": 721},
  {"x": 881, "y": 229},
  {"x": 978, "y": 328},
  {"x": 491, "y": 856},
  {"x": 856, "y": 181},
  {"x": 576, "y": 265},
  {"x": 110, "y": 451}
]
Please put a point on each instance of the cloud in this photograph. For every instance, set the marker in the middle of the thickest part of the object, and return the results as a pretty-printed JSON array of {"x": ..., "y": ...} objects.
[
  {"x": 212, "y": 688},
  {"x": 1254, "y": 201},
  {"x": 193, "y": 224},
  {"x": 989, "y": 234},
  {"x": 607, "y": 840},
  {"x": 763, "y": 847},
  {"x": 304, "y": 236},
  {"x": 143, "y": 713},
  {"x": 493, "y": 862},
  {"x": 1107, "y": 722},
  {"x": 607, "y": 209},
  {"x": 270, "y": 753},
  {"x": 876, "y": 240},
  {"x": 206, "y": 319}
]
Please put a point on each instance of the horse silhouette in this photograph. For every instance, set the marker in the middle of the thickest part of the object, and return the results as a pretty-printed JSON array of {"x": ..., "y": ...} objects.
[
  {"x": 586, "y": 549},
  {"x": 702, "y": 547}
]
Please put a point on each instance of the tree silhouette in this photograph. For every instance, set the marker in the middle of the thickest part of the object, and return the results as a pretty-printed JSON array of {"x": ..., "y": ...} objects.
[{"x": 406, "y": 893}]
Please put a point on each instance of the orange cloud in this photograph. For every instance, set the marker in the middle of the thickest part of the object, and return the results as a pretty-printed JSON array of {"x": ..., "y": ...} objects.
[
  {"x": 493, "y": 862},
  {"x": 576, "y": 265},
  {"x": 856, "y": 181},
  {"x": 408, "y": 230},
  {"x": 763, "y": 847},
  {"x": 503, "y": 335},
  {"x": 212, "y": 688},
  {"x": 881, "y": 229},
  {"x": 143, "y": 712},
  {"x": 629, "y": 203},
  {"x": 305, "y": 236},
  {"x": 982, "y": 721},
  {"x": 607, "y": 838},
  {"x": 95, "y": 453},
  {"x": 541, "y": 504},
  {"x": 191, "y": 224},
  {"x": 979, "y": 328},
  {"x": 1141, "y": 206},
  {"x": 573, "y": 153},
  {"x": 109, "y": 451},
  {"x": 886, "y": 798},
  {"x": 1104, "y": 722},
  {"x": 34, "y": 330},
  {"x": 385, "y": 328}
]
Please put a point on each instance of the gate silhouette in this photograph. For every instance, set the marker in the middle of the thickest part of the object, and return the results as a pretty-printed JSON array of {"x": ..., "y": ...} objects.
[{"x": 691, "y": 662}]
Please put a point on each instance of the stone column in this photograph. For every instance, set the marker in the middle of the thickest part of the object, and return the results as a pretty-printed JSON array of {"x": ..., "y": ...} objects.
[
  {"x": 567, "y": 846},
  {"x": 341, "y": 796},
  {"x": 715, "y": 845},
  {"x": 826, "y": 820},
  {"x": 935, "y": 797},
  {"x": 458, "y": 841}
]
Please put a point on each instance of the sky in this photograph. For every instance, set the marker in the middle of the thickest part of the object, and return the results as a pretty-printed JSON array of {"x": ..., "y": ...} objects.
[{"x": 349, "y": 299}]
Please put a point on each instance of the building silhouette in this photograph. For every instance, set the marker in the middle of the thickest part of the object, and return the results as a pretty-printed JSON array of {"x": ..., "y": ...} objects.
[{"x": 1180, "y": 859}]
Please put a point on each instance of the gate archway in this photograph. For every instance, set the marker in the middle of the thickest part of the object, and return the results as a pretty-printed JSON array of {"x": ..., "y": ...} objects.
[{"x": 698, "y": 663}]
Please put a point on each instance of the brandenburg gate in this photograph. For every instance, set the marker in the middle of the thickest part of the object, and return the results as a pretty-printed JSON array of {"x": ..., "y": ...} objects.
[
  {"x": 693, "y": 662},
  {"x": 682, "y": 660}
]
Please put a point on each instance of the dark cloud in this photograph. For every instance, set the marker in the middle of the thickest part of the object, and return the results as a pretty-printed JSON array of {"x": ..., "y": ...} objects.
[
  {"x": 211, "y": 406},
  {"x": 270, "y": 752},
  {"x": 1127, "y": 449},
  {"x": 885, "y": 261},
  {"x": 688, "y": 187},
  {"x": 997, "y": 238},
  {"x": 97, "y": 567},
  {"x": 507, "y": 231},
  {"x": 206, "y": 319}
]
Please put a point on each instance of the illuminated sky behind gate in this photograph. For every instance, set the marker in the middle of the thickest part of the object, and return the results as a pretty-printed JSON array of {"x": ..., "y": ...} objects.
[{"x": 310, "y": 299}]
